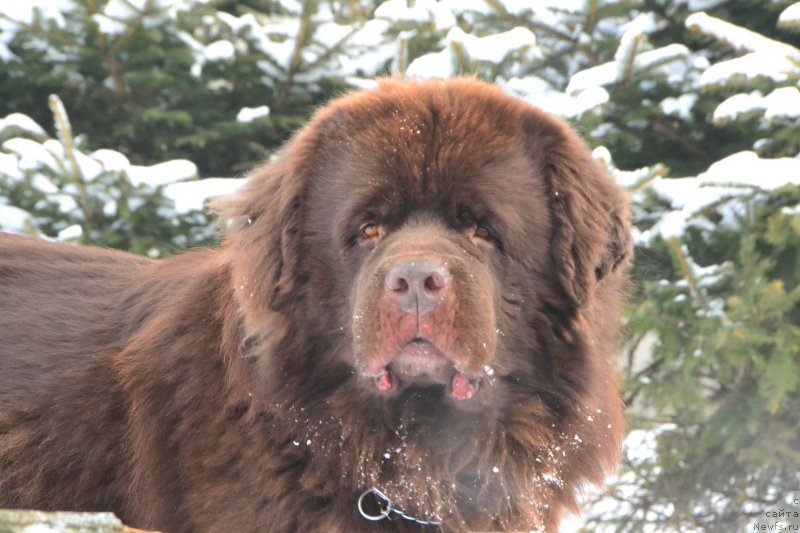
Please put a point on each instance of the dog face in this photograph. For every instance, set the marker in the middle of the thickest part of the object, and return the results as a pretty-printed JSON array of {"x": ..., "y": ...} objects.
[{"x": 429, "y": 236}]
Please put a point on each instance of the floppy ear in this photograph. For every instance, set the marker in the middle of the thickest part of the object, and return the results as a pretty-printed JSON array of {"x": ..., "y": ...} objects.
[
  {"x": 264, "y": 238},
  {"x": 264, "y": 242},
  {"x": 591, "y": 223}
]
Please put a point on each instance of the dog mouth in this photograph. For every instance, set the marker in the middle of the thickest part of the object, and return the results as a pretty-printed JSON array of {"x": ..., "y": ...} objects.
[{"x": 420, "y": 362}]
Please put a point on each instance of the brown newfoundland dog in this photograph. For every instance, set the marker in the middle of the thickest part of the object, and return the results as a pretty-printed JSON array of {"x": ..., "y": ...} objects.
[{"x": 412, "y": 319}]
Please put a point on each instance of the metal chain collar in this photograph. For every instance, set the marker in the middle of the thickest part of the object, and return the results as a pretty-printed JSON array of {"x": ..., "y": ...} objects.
[{"x": 388, "y": 510}]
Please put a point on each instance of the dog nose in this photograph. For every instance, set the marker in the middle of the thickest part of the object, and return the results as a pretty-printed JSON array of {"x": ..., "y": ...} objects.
[{"x": 417, "y": 286}]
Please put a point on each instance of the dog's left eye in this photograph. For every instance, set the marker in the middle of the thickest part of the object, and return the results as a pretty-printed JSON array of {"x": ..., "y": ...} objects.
[{"x": 483, "y": 233}]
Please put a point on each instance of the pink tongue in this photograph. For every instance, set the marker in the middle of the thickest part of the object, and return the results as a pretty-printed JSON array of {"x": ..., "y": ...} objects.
[
  {"x": 384, "y": 381},
  {"x": 462, "y": 388}
]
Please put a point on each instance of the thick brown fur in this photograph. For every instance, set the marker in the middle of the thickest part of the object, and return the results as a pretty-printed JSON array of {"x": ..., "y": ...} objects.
[{"x": 234, "y": 389}]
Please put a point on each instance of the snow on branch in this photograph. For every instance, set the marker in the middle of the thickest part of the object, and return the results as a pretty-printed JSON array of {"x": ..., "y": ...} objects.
[
  {"x": 739, "y": 38},
  {"x": 790, "y": 17},
  {"x": 609, "y": 73},
  {"x": 765, "y": 58},
  {"x": 780, "y": 103},
  {"x": 541, "y": 94},
  {"x": 734, "y": 72},
  {"x": 108, "y": 181},
  {"x": 635, "y": 34},
  {"x": 22, "y": 123},
  {"x": 422, "y": 11},
  {"x": 492, "y": 48},
  {"x": 739, "y": 175}
]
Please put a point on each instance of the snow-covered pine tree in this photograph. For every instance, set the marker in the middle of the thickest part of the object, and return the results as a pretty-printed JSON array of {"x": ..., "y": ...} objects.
[
  {"x": 160, "y": 79},
  {"x": 714, "y": 365},
  {"x": 56, "y": 188},
  {"x": 221, "y": 83}
]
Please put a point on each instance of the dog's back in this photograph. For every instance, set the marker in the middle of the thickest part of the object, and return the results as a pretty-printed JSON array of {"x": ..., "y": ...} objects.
[
  {"x": 98, "y": 350},
  {"x": 58, "y": 404},
  {"x": 59, "y": 307}
]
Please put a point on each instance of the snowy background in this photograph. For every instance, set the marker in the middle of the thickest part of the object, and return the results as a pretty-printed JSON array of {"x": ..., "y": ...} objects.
[{"x": 692, "y": 105}]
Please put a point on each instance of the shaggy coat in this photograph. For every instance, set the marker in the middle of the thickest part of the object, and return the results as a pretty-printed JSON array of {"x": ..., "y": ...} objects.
[{"x": 419, "y": 296}]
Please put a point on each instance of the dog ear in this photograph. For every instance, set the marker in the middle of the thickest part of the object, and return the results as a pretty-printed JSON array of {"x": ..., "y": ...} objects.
[
  {"x": 263, "y": 244},
  {"x": 591, "y": 236}
]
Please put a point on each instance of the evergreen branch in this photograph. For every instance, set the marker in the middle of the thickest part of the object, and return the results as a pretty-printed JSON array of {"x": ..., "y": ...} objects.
[
  {"x": 649, "y": 369},
  {"x": 30, "y": 228},
  {"x": 631, "y": 350},
  {"x": 686, "y": 270},
  {"x": 303, "y": 35},
  {"x": 633, "y": 392},
  {"x": 105, "y": 52},
  {"x": 58, "y": 162},
  {"x": 738, "y": 38},
  {"x": 591, "y": 17},
  {"x": 333, "y": 49},
  {"x": 560, "y": 57},
  {"x": 630, "y": 61},
  {"x": 659, "y": 170},
  {"x": 120, "y": 42},
  {"x": 735, "y": 185},
  {"x": 37, "y": 29},
  {"x": 713, "y": 206},
  {"x": 681, "y": 139},
  {"x": 402, "y": 56},
  {"x": 461, "y": 55},
  {"x": 65, "y": 135},
  {"x": 501, "y": 10}
]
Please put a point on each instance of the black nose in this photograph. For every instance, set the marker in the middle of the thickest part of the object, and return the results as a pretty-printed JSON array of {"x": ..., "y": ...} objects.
[{"x": 417, "y": 286}]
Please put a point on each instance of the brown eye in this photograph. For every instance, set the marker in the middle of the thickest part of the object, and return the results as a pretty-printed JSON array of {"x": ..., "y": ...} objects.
[
  {"x": 483, "y": 233},
  {"x": 370, "y": 231}
]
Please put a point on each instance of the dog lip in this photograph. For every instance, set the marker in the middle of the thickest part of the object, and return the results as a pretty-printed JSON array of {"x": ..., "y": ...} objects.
[
  {"x": 419, "y": 361},
  {"x": 420, "y": 358},
  {"x": 463, "y": 387}
]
